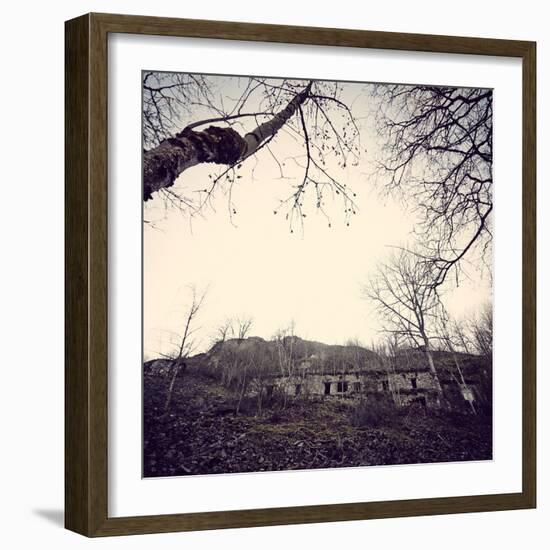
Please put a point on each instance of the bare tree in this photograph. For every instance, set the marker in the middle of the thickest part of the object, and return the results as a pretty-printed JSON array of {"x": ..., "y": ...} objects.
[
  {"x": 242, "y": 326},
  {"x": 355, "y": 354},
  {"x": 228, "y": 131},
  {"x": 285, "y": 340},
  {"x": 246, "y": 360},
  {"x": 388, "y": 350},
  {"x": 447, "y": 338},
  {"x": 481, "y": 327},
  {"x": 262, "y": 378},
  {"x": 407, "y": 302},
  {"x": 223, "y": 332},
  {"x": 233, "y": 327},
  {"x": 186, "y": 343},
  {"x": 229, "y": 339},
  {"x": 438, "y": 155}
]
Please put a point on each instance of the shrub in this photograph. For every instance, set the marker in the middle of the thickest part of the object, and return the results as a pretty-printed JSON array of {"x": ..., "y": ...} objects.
[
  {"x": 275, "y": 417},
  {"x": 375, "y": 411},
  {"x": 246, "y": 405},
  {"x": 275, "y": 400}
]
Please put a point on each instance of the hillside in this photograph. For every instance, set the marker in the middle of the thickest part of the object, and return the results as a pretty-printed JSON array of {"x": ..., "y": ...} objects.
[
  {"x": 319, "y": 357},
  {"x": 253, "y": 405},
  {"x": 202, "y": 434}
]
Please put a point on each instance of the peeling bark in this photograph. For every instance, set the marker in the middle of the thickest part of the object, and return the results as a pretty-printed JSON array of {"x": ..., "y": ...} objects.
[
  {"x": 163, "y": 164},
  {"x": 218, "y": 145}
]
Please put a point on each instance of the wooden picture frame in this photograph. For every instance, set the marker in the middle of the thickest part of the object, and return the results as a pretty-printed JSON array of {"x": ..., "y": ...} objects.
[{"x": 86, "y": 283}]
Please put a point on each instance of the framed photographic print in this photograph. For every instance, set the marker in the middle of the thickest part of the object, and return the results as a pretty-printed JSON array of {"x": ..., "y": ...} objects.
[{"x": 300, "y": 275}]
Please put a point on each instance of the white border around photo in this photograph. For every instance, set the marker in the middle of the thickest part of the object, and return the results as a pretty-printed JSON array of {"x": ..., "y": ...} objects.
[{"x": 129, "y": 494}]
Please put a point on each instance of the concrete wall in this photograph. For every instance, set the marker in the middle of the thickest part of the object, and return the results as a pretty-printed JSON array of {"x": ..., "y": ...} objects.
[{"x": 405, "y": 387}]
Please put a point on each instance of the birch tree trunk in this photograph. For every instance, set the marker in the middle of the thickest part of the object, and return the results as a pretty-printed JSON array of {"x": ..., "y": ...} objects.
[
  {"x": 432, "y": 370},
  {"x": 218, "y": 145},
  {"x": 431, "y": 366},
  {"x": 178, "y": 367}
]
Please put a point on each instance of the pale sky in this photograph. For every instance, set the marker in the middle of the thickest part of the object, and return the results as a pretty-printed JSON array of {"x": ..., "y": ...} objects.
[{"x": 253, "y": 265}]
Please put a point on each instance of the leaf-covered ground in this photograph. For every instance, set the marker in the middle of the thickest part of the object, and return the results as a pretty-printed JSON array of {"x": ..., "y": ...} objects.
[{"x": 202, "y": 434}]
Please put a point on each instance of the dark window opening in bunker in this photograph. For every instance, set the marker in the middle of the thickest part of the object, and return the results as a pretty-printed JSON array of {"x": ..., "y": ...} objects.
[{"x": 342, "y": 387}]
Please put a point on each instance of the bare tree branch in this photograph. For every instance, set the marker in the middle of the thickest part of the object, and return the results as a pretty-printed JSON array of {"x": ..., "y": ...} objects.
[{"x": 438, "y": 156}]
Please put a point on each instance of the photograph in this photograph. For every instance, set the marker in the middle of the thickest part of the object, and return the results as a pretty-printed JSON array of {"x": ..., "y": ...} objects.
[{"x": 317, "y": 273}]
